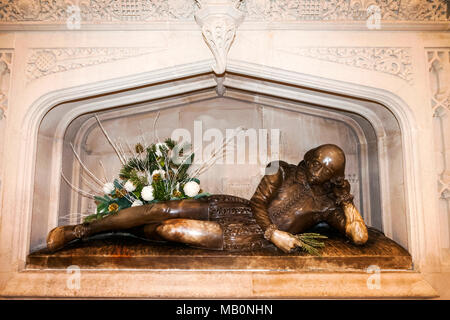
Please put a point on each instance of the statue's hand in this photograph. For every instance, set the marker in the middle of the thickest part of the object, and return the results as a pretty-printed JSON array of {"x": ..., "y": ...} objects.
[
  {"x": 284, "y": 240},
  {"x": 355, "y": 228}
]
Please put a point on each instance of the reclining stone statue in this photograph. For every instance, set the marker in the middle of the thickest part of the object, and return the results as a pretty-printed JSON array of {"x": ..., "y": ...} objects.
[{"x": 288, "y": 201}]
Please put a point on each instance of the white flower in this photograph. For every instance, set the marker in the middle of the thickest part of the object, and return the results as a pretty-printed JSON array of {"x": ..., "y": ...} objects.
[
  {"x": 129, "y": 186},
  {"x": 137, "y": 203},
  {"x": 108, "y": 188},
  {"x": 161, "y": 172},
  {"x": 147, "y": 193},
  {"x": 159, "y": 149},
  {"x": 191, "y": 188}
]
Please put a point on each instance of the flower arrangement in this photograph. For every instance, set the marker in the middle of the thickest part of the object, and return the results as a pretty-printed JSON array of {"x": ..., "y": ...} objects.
[{"x": 155, "y": 173}]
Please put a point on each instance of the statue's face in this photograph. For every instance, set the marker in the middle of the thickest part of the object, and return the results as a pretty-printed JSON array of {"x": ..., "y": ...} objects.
[
  {"x": 318, "y": 169},
  {"x": 324, "y": 163}
]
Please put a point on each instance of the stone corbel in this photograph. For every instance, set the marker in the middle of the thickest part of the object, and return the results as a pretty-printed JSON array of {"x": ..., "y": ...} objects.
[{"x": 218, "y": 20}]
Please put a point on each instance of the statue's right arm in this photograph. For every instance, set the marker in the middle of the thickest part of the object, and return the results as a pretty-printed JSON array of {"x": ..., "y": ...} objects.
[{"x": 266, "y": 191}]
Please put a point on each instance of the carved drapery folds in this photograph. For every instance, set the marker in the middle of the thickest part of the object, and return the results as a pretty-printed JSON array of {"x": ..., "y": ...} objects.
[
  {"x": 439, "y": 71},
  {"x": 219, "y": 20}
]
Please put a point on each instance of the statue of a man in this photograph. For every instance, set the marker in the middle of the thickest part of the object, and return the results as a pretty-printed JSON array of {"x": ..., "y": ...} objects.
[{"x": 288, "y": 201}]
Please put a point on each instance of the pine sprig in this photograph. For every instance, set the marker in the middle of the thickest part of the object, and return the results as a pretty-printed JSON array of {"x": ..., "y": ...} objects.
[
  {"x": 170, "y": 143},
  {"x": 309, "y": 242}
]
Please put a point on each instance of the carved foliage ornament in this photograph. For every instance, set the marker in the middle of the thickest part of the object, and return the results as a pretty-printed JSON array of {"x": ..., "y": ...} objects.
[
  {"x": 304, "y": 10},
  {"x": 6, "y": 57},
  {"x": 394, "y": 61},
  {"x": 96, "y": 10},
  {"x": 107, "y": 11},
  {"x": 43, "y": 62},
  {"x": 439, "y": 73},
  {"x": 219, "y": 33},
  {"x": 5, "y": 77},
  {"x": 219, "y": 20}
]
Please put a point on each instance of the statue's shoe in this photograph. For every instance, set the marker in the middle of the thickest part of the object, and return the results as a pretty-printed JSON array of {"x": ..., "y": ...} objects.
[{"x": 60, "y": 236}]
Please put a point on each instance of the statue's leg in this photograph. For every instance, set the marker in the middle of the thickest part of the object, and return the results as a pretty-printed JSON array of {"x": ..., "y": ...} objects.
[
  {"x": 196, "y": 233},
  {"x": 129, "y": 218}
]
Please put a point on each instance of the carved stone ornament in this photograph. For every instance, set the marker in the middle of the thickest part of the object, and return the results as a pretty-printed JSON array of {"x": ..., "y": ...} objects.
[
  {"x": 219, "y": 20},
  {"x": 341, "y": 10},
  {"x": 107, "y": 11},
  {"x": 393, "y": 61},
  {"x": 5, "y": 75},
  {"x": 46, "y": 61},
  {"x": 94, "y": 11},
  {"x": 439, "y": 73}
]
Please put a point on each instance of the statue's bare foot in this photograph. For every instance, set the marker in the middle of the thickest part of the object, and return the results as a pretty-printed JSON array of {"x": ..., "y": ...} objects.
[{"x": 60, "y": 236}]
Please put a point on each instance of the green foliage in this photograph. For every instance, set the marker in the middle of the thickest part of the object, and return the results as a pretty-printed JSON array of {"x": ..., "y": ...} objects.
[
  {"x": 310, "y": 243},
  {"x": 151, "y": 166}
]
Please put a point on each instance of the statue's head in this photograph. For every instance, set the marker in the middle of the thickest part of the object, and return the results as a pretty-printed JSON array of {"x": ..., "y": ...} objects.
[{"x": 325, "y": 163}]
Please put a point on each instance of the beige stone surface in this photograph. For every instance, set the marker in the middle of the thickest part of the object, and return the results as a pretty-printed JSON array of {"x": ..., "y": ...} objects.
[
  {"x": 204, "y": 284},
  {"x": 440, "y": 282}
]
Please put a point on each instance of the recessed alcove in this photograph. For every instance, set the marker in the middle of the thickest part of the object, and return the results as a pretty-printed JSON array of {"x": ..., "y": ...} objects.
[{"x": 366, "y": 130}]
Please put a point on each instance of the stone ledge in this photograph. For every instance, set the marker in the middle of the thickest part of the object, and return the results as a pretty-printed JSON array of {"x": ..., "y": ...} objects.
[
  {"x": 218, "y": 284},
  {"x": 126, "y": 252}
]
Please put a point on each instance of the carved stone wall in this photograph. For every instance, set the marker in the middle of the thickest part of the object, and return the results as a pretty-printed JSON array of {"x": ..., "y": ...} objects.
[
  {"x": 107, "y": 11},
  {"x": 5, "y": 79},
  {"x": 439, "y": 71}
]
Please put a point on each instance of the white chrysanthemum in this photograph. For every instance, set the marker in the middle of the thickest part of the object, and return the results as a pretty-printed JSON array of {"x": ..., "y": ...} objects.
[
  {"x": 129, "y": 186},
  {"x": 161, "y": 172},
  {"x": 137, "y": 203},
  {"x": 191, "y": 188},
  {"x": 108, "y": 188},
  {"x": 159, "y": 149},
  {"x": 147, "y": 193}
]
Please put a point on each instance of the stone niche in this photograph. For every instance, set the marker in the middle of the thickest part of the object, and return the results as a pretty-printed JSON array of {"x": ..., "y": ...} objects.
[
  {"x": 296, "y": 119},
  {"x": 315, "y": 70}
]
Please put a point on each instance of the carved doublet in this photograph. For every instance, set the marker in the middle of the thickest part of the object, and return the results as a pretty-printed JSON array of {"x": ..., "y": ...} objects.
[
  {"x": 234, "y": 215},
  {"x": 295, "y": 208}
]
